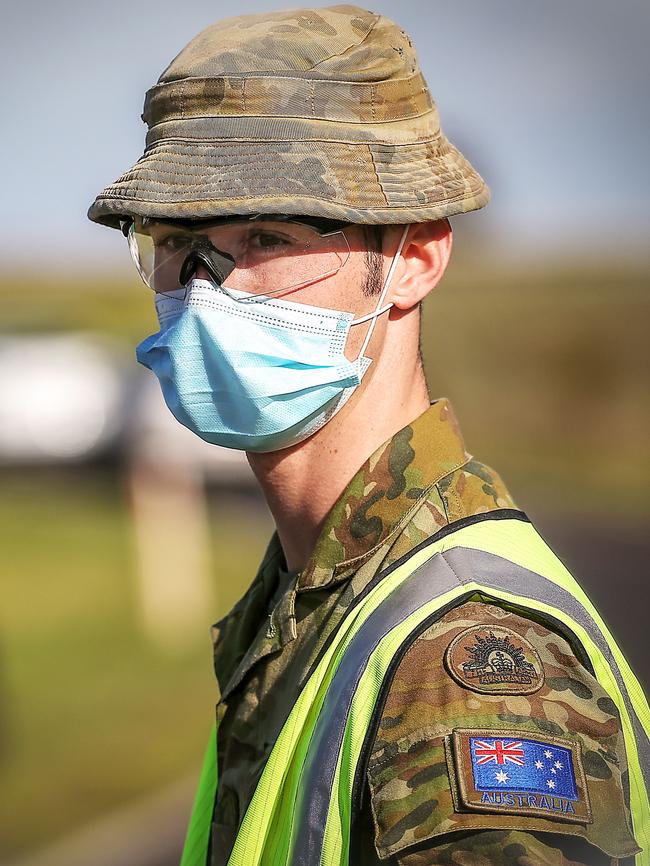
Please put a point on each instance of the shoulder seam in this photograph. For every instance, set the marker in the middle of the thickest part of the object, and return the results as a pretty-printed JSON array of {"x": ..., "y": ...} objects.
[{"x": 443, "y": 500}]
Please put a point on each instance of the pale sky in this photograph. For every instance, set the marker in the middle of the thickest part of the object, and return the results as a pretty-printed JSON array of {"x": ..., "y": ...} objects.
[{"x": 548, "y": 100}]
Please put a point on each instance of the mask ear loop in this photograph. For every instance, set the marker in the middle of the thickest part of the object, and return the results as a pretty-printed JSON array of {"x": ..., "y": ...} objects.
[{"x": 379, "y": 309}]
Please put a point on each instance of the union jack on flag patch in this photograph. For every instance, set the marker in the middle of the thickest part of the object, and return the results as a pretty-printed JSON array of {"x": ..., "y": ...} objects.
[
  {"x": 534, "y": 766},
  {"x": 499, "y": 751}
]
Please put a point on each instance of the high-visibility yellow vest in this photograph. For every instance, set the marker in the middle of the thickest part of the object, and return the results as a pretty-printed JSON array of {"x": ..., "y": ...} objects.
[{"x": 300, "y": 813}]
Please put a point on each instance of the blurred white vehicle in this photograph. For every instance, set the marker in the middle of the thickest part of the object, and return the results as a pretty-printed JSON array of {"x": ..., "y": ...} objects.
[
  {"x": 68, "y": 398},
  {"x": 60, "y": 399}
]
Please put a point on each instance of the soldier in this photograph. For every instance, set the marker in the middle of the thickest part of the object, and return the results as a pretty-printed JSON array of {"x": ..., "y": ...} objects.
[{"x": 412, "y": 677}]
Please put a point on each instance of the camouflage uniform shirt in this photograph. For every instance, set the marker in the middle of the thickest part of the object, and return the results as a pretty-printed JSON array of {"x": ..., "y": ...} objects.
[{"x": 418, "y": 482}]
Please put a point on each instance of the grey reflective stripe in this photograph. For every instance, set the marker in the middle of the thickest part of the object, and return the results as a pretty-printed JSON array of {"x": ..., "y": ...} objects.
[
  {"x": 438, "y": 575},
  {"x": 319, "y": 768},
  {"x": 495, "y": 572}
]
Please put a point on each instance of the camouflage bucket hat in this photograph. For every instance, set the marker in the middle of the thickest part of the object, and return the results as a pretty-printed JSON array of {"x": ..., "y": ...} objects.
[{"x": 320, "y": 112}]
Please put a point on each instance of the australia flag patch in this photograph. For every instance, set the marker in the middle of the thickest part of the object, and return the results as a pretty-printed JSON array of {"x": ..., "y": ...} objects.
[{"x": 516, "y": 773}]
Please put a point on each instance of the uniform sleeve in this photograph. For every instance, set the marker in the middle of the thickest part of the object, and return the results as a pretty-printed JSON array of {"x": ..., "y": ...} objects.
[
  {"x": 495, "y": 745},
  {"x": 506, "y": 848}
]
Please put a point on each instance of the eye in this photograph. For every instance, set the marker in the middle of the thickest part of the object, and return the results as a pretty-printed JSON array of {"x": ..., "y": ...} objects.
[
  {"x": 171, "y": 243},
  {"x": 268, "y": 240}
]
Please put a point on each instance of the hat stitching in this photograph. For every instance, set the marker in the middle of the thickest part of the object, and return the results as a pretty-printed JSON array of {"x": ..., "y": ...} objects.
[
  {"x": 335, "y": 121},
  {"x": 379, "y": 180},
  {"x": 312, "y": 115},
  {"x": 268, "y": 76},
  {"x": 450, "y": 174},
  {"x": 374, "y": 168},
  {"x": 126, "y": 194},
  {"x": 341, "y": 150},
  {"x": 207, "y": 143},
  {"x": 346, "y": 111},
  {"x": 438, "y": 160},
  {"x": 158, "y": 92},
  {"x": 446, "y": 172},
  {"x": 345, "y": 50}
]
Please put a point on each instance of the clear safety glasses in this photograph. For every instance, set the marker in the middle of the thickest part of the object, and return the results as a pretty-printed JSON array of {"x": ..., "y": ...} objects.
[{"x": 257, "y": 255}]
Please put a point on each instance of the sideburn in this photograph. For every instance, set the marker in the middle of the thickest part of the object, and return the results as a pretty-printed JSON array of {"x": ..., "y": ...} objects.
[{"x": 373, "y": 237}]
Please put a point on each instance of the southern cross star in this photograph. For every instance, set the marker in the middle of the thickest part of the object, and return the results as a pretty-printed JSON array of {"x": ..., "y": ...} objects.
[
  {"x": 548, "y": 753},
  {"x": 550, "y": 783},
  {"x": 539, "y": 765}
]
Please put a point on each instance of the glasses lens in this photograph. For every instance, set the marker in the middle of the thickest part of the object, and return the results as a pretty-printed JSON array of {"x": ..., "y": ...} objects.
[
  {"x": 270, "y": 256},
  {"x": 159, "y": 250}
]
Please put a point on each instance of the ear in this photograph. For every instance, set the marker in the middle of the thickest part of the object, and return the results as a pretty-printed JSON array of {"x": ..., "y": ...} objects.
[{"x": 425, "y": 256}]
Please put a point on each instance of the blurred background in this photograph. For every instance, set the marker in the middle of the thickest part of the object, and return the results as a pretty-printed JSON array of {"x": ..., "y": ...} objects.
[{"x": 123, "y": 537}]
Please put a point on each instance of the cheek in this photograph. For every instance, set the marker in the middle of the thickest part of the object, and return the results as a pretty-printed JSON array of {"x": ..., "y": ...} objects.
[
  {"x": 346, "y": 290},
  {"x": 355, "y": 341},
  {"x": 340, "y": 291}
]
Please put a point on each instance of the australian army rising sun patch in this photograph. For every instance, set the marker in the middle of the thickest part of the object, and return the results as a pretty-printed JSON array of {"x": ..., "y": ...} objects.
[{"x": 494, "y": 660}]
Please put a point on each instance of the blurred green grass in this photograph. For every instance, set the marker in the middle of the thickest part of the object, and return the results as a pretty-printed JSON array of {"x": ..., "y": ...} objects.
[
  {"x": 547, "y": 369},
  {"x": 113, "y": 304},
  {"x": 93, "y": 714}
]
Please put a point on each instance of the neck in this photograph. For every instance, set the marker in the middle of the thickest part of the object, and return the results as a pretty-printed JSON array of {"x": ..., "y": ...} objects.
[{"x": 302, "y": 483}]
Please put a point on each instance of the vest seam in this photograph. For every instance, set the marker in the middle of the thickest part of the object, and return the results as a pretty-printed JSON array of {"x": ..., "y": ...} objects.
[{"x": 451, "y": 568}]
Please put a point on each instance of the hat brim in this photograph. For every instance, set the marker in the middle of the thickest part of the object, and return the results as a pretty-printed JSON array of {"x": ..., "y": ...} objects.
[{"x": 369, "y": 182}]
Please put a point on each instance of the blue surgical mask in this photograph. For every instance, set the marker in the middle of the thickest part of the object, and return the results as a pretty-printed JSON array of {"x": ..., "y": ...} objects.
[{"x": 255, "y": 375}]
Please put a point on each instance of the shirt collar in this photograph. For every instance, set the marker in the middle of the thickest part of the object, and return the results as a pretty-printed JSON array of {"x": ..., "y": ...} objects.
[{"x": 383, "y": 493}]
